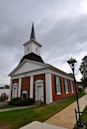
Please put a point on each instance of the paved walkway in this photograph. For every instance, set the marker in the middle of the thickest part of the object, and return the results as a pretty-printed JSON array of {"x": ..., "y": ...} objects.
[
  {"x": 40, "y": 125},
  {"x": 66, "y": 118},
  {"x": 16, "y": 108}
]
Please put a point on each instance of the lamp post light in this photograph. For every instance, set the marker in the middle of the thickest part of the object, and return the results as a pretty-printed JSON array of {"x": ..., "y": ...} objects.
[{"x": 72, "y": 62}]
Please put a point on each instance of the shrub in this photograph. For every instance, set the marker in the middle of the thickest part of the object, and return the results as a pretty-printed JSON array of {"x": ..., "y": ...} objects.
[
  {"x": 21, "y": 102},
  {"x": 3, "y": 97},
  {"x": 80, "y": 89}
]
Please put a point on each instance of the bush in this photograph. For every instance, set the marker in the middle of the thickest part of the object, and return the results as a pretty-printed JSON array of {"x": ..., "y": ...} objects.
[
  {"x": 80, "y": 90},
  {"x": 21, "y": 102},
  {"x": 3, "y": 97}
]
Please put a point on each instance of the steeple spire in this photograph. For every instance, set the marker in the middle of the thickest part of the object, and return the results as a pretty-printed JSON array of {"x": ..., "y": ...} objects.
[
  {"x": 32, "y": 46},
  {"x": 32, "y": 36}
]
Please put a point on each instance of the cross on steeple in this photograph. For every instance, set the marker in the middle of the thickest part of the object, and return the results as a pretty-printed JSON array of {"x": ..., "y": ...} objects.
[{"x": 32, "y": 36}]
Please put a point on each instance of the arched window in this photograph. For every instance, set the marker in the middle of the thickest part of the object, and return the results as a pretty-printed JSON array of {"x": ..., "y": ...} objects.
[{"x": 24, "y": 94}]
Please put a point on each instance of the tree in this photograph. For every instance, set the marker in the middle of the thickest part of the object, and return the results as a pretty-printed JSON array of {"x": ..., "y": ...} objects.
[
  {"x": 6, "y": 86},
  {"x": 83, "y": 70}
]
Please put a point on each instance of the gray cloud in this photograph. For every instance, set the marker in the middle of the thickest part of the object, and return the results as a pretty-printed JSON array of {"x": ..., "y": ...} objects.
[
  {"x": 60, "y": 26},
  {"x": 66, "y": 37}
]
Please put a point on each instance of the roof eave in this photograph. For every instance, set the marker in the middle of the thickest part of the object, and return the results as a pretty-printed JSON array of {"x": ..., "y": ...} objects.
[
  {"x": 33, "y": 41},
  {"x": 58, "y": 70}
]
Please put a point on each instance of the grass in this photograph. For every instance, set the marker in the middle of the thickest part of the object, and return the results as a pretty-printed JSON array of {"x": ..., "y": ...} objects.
[
  {"x": 17, "y": 118},
  {"x": 84, "y": 116}
]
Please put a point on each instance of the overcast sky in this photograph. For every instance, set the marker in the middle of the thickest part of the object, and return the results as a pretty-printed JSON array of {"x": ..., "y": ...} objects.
[{"x": 60, "y": 26}]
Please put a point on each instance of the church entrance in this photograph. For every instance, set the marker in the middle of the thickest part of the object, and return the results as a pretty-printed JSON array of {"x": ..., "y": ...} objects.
[
  {"x": 14, "y": 91},
  {"x": 39, "y": 91}
]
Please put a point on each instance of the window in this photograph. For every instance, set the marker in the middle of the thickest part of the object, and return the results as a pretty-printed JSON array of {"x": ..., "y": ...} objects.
[
  {"x": 36, "y": 49},
  {"x": 28, "y": 48},
  {"x": 58, "y": 85},
  {"x": 71, "y": 85},
  {"x": 66, "y": 86}
]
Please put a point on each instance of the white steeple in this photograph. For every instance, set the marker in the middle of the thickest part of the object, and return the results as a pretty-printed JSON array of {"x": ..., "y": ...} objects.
[{"x": 32, "y": 46}]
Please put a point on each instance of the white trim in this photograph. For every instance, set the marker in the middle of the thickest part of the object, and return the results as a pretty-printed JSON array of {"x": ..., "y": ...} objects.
[
  {"x": 14, "y": 91},
  {"x": 19, "y": 88},
  {"x": 40, "y": 71},
  {"x": 26, "y": 60},
  {"x": 61, "y": 75},
  {"x": 59, "y": 93},
  {"x": 28, "y": 42},
  {"x": 10, "y": 90},
  {"x": 15, "y": 84},
  {"x": 58, "y": 85},
  {"x": 72, "y": 87},
  {"x": 45, "y": 68},
  {"x": 39, "y": 85},
  {"x": 39, "y": 81},
  {"x": 66, "y": 87},
  {"x": 30, "y": 73},
  {"x": 24, "y": 92},
  {"x": 49, "y": 97},
  {"x": 31, "y": 86},
  {"x": 67, "y": 92},
  {"x": 72, "y": 92}
]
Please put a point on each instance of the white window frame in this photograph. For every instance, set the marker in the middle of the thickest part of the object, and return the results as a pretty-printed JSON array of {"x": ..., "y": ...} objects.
[
  {"x": 58, "y": 85},
  {"x": 66, "y": 86},
  {"x": 72, "y": 87}
]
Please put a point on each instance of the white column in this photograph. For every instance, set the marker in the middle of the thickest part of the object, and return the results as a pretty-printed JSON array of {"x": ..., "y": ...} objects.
[
  {"x": 19, "y": 88},
  {"x": 31, "y": 86},
  {"x": 10, "y": 90},
  {"x": 49, "y": 97}
]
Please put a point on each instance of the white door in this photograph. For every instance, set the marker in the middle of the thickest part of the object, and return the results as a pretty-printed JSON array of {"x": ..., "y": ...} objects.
[
  {"x": 39, "y": 94},
  {"x": 14, "y": 92}
]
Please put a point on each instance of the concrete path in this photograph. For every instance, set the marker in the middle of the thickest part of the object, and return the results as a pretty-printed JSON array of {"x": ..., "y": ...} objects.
[
  {"x": 66, "y": 118},
  {"x": 16, "y": 108},
  {"x": 40, "y": 125}
]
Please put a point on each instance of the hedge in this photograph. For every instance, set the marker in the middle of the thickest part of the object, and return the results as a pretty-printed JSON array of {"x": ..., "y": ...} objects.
[{"x": 21, "y": 102}]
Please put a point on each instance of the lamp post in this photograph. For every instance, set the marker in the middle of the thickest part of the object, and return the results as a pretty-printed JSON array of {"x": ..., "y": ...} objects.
[{"x": 72, "y": 62}]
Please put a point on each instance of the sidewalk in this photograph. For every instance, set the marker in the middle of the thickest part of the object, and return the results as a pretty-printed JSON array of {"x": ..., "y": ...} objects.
[
  {"x": 16, "y": 108},
  {"x": 66, "y": 118},
  {"x": 40, "y": 125}
]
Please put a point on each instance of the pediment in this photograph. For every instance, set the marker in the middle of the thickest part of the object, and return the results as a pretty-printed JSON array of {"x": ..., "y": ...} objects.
[{"x": 27, "y": 66}]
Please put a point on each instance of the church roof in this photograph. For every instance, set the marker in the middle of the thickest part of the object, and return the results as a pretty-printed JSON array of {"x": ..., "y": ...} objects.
[
  {"x": 32, "y": 56},
  {"x": 33, "y": 42}
]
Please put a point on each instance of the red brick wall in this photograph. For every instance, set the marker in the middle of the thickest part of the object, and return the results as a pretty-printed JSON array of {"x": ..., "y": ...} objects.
[
  {"x": 63, "y": 94},
  {"x": 25, "y": 85},
  {"x": 40, "y": 77}
]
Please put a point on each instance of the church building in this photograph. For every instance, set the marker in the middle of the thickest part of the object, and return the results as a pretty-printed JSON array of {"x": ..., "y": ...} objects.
[{"x": 33, "y": 78}]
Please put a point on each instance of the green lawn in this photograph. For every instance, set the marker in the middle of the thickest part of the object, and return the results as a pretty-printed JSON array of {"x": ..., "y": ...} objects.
[
  {"x": 17, "y": 118},
  {"x": 84, "y": 116}
]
